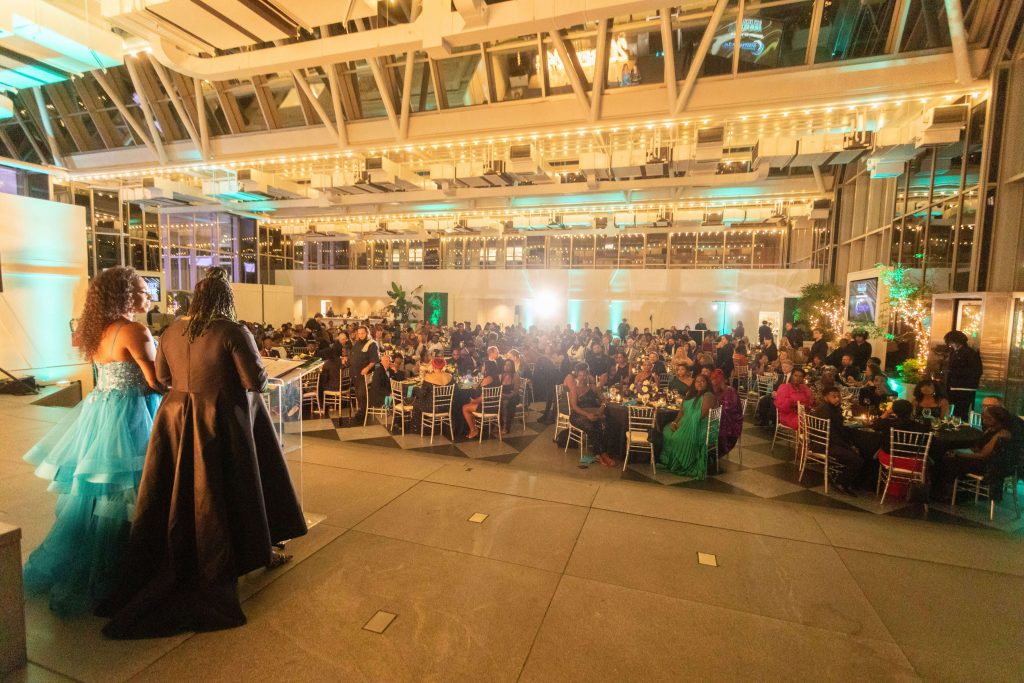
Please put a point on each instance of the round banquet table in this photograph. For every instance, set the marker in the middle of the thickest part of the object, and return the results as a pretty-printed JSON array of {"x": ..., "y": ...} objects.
[
  {"x": 946, "y": 440},
  {"x": 460, "y": 397},
  {"x": 617, "y": 423}
]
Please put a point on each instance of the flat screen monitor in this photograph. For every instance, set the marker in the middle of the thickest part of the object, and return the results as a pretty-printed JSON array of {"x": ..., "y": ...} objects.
[
  {"x": 863, "y": 300},
  {"x": 153, "y": 287}
]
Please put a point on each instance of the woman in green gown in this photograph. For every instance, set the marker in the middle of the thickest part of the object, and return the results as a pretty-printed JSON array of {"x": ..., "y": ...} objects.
[{"x": 685, "y": 449}]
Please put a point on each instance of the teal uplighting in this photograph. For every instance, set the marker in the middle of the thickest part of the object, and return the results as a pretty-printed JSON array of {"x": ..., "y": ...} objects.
[
  {"x": 71, "y": 55},
  {"x": 28, "y": 77},
  {"x": 616, "y": 307},
  {"x": 894, "y": 386},
  {"x": 241, "y": 196},
  {"x": 575, "y": 313}
]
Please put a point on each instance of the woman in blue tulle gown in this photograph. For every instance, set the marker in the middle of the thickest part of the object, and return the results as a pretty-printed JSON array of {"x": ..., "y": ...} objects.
[{"x": 93, "y": 457}]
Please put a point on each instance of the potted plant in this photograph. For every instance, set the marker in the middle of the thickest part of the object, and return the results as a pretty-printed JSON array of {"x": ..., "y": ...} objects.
[{"x": 403, "y": 305}]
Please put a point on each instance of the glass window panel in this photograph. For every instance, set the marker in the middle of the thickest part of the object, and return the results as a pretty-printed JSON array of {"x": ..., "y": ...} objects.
[
  {"x": 607, "y": 251},
  {"x": 379, "y": 258},
  {"x": 493, "y": 252},
  {"x": 912, "y": 239},
  {"x": 463, "y": 80},
  {"x": 559, "y": 249},
  {"x": 432, "y": 254},
  {"x": 474, "y": 252},
  {"x": 586, "y": 55},
  {"x": 965, "y": 241},
  {"x": 535, "y": 251},
  {"x": 516, "y": 74},
  {"x": 773, "y": 37},
  {"x": 683, "y": 249},
  {"x": 738, "y": 246},
  {"x": 415, "y": 248},
  {"x": 108, "y": 251},
  {"x": 939, "y": 248},
  {"x": 341, "y": 250},
  {"x": 719, "y": 58},
  {"x": 631, "y": 251},
  {"x": 422, "y": 88},
  {"x": 768, "y": 248},
  {"x": 582, "y": 251},
  {"x": 926, "y": 27},
  {"x": 453, "y": 253},
  {"x": 852, "y": 29},
  {"x": 515, "y": 248},
  {"x": 153, "y": 260},
  {"x": 656, "y": 253},
  {"x": 136, "y": 255},
  {"x": 709, "y": 248}
]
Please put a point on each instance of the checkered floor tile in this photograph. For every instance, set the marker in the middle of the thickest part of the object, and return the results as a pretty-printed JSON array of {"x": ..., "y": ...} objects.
[{"x": 753, "y": 469}]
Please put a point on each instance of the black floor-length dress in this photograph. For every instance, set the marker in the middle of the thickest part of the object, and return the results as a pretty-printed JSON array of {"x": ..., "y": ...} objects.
[{"x": 215, "y": 490}]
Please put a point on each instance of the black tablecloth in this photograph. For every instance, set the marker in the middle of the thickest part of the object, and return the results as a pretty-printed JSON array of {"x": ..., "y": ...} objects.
[
  {"x": 617, "y": 423},
  {"x": 953, "y": 439}
]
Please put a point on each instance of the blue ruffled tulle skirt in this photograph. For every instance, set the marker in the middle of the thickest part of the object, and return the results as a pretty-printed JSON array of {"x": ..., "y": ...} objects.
[{"x": 93, "y": 460}]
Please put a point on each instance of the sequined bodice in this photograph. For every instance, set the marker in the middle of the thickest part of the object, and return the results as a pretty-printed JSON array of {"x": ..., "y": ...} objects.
[{"x": 119, "y": 374}]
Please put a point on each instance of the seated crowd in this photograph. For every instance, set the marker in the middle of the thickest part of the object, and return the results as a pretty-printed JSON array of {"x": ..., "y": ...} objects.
[{"x": 699, "y": 369}]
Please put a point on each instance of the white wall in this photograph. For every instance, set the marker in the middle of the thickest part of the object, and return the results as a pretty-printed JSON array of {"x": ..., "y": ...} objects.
[
  {"x": 264, "y": 303},
  {"x": 600, "y": 297},
  {"x": 43, "y": 265}
]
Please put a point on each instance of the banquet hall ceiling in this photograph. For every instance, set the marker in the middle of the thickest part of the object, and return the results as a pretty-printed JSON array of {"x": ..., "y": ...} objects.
[{"x": 311, "y": 93}]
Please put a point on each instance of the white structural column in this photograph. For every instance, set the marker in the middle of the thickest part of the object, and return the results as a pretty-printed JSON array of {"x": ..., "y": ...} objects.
[
  {"x": 339, "y": 113},
  {"x": 300, "y": 78},
  {"x": 668, "y": 47},
  {"x": 44, "y": 116},
  {"x": 139, "y": 132},
  {"x": 698, "y": 57},
  {"x": 386, "y": 96},
  {"x": 570, "y": 64},
  {"x": 958, "y": 36},
  {"x": 179, "y": 107},
  {"x": 204, "y": 124},
  {"x": 147, "y": 111},
  {"x": 403, "y": 128},
  {"x": 600, "y": 70}
]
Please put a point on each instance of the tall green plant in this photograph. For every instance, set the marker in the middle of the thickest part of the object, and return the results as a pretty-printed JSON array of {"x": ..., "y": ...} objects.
[
  {"x": 820, "y": 305},
  {"x": 403, "y": 304}
]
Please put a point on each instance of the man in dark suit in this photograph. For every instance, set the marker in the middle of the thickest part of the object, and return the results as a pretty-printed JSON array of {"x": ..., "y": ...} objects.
[
  {"x": 723, "y": 355},
  {"x": 764, "y": 332},
  {"x": 860, "y": 349},
  {"x": 820, "y": 347},
  {"x": 701, "y": 325},
  {"x": 961, "y": 374},
  {"x": 795, "y": 335}
]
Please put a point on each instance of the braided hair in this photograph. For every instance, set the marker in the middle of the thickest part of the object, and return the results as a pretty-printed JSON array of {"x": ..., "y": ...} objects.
[{"x": 212, "y": 300}]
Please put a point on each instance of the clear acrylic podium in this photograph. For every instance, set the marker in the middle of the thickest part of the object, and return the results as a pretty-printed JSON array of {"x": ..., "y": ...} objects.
[{"x": 284, "y": 399}]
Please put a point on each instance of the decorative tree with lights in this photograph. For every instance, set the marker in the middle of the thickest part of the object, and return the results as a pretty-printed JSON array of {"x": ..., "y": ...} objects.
[
  {"x": 909, "y": 310},
  {"x": 821, "y": 305}
]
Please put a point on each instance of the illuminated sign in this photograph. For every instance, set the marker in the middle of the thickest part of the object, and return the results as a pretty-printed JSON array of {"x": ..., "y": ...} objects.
[{"x": 618, "y": 53}]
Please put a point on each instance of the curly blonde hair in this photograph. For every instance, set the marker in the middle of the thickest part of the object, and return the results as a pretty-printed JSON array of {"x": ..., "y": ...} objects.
[{"x": 109, "y": 298}]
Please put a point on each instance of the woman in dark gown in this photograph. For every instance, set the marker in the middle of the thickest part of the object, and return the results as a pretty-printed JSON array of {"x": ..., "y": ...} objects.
[{"x": 215, "y": 493}]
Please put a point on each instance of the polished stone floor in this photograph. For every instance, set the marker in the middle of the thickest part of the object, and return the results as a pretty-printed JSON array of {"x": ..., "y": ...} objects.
[{"x": 573, "y": 575}]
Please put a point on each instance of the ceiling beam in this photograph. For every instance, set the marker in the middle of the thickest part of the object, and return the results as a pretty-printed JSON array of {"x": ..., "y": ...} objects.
[
  {"x": 179, "y": 106},
  {"x": 309, "y": 114},
  {"x": 100, "y": 116},
  {"x": 12, "y": 150},
  {"x": 147, "y": 110},
  {"x": 72, "y": 124},
  {"x": 303, "y": 84},
  {"x": 698, "y": 58},
  {"x": 229, "y": 107},
  {"x": 265, "y": 100},
  {"x": 115, "y": 99},
  {"x": 28, "y": 134}
]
